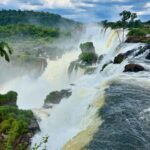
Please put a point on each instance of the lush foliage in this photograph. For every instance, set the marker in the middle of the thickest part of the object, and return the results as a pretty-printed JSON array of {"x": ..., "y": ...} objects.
[
  {"x": 5, "y": 50},
  {"x": 88, "y": 58},
  {"x": 9, "y": 98},
  {"x": 8, "y": 17},
  {"x": 13, "y": 124},
  {"x": 137, "y": 32},
  {"x": 148, "y": 41},
  {"x": 28, "y": 30},
  {"x": 87, "y": 47},
  {"x": 128, "y": 20}
]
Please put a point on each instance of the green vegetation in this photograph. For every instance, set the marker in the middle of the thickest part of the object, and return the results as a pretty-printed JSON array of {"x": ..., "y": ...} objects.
[
  {"x": 87, "y": 47},
  {"x": 127, "y": 21},
  {"x": 44, "y": 19},
  {"x": 5, "y": 50},
  {"x": 137, "y": 32},
  {"x": 39, "y": 145},
  {"x": 88, "y": 57},
  {"x": 28, "y": 30},
  {"x": 37, "y": 32},
  {"x": 56, "y": 96},
  {"x": 8, "y": 99},
  {"x": 148, "y": 41},
  {"x": 13, "y": 125}
]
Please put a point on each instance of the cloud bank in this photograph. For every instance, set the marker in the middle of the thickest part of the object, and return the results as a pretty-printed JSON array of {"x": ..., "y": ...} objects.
[{"x": 82, "y": 10}]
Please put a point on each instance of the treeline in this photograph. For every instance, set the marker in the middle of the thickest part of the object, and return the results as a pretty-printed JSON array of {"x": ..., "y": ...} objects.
[
  {"x": 128, "y": 20},
  {"x": 136, "y": 27},
  {"x": 11, "y": 17},
  {"x": 28, "y": 30}
]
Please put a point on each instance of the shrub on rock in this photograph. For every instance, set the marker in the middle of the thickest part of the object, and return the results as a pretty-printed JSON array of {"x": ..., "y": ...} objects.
[
  {"x": 87, "y": 47},
  {"x": 56, "y": 96},
  {"x": 88, "y": 58}
]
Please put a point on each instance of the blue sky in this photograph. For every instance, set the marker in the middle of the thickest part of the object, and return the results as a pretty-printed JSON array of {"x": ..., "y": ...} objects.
[{"x": 83, "y": 10}]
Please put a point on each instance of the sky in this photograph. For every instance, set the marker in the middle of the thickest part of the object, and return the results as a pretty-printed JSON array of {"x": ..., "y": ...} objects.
[{"x": 83, "y": 10}]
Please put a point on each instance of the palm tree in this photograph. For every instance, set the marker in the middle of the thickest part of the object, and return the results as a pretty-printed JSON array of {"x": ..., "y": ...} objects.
[{"x": 5, "y": 50}]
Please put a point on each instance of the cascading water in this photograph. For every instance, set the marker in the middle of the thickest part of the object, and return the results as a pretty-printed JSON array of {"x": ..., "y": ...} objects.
[{"x": 72, "y": 123}]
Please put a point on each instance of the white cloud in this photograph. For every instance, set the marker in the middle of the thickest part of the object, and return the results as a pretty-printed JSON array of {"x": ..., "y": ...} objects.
[
  {"x": 58, "y": 3},
  {"x": 144, "y": 12},
  {"x": 147, "y": 5},
  {"x": 3, "y": 2}
]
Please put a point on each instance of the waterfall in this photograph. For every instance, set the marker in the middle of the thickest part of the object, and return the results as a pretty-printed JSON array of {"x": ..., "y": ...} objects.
[{"x": 72, "y": 123}]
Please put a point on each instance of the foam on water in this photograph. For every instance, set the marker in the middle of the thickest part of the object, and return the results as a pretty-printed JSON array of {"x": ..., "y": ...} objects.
[{"x": 74, "y": 118}]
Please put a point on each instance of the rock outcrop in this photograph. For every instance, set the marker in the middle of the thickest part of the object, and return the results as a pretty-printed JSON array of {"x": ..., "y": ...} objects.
[
  {"x": 136, "y": 39},
  {"x": 56, "y": 96},
  {"x": 86, "y": 59},
  {"x": 119, "y": 58},
  {"x": 87, "y": 47},
  {"x": 133, "y": 68},
  {"x": 122, "y": 56}
]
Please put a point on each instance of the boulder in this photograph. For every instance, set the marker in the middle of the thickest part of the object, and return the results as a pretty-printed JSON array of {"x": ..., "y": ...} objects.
[
  {"x": 133, "y": 68},
  {"x": 122, "y": 56},
  {"x": 87, "y": 47},
  {"x": 119, "y": 58},
  {"x": 56, "y": 96}
]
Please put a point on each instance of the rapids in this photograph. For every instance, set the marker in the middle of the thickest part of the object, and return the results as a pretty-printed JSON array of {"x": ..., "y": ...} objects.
[{"x": 74, "y": 123}]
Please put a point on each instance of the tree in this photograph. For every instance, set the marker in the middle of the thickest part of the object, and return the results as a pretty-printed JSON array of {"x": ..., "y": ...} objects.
[
  {"x": 133, "y": 17},
  {"x": 5, "y": 50},
  {"x": 126, "y": 15}
]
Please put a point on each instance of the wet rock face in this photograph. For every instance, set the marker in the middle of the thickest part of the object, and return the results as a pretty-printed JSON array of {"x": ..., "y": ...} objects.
[
  {"x": 136, "y": 39},
  {"x": 133, "y": 68},
  {"x": 56, "y": 96},
  {"x": 87, "y": 47},
  {"x": 122, "y": 56},
  {"x": 119, "y": 58},
  {"x": 34, "y": 126},
  {"x": 148, "y": 55}
]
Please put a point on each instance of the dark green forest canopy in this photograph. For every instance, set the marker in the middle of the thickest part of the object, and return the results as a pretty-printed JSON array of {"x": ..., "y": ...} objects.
[{"x": 10, "y": 17}]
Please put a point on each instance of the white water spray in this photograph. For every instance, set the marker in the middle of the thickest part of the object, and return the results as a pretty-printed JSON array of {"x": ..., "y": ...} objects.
[{"x": 76, "y": 116}]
